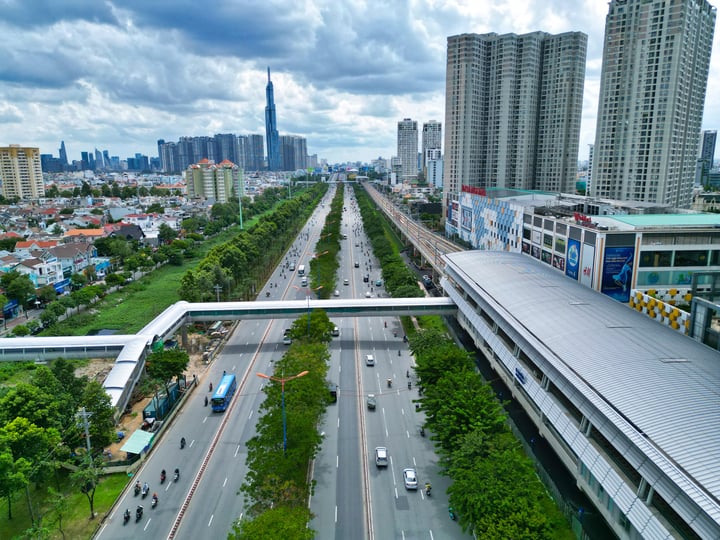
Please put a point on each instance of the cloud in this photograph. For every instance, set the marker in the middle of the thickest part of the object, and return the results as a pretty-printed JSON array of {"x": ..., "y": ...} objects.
[{"x": 120, "y": 75}]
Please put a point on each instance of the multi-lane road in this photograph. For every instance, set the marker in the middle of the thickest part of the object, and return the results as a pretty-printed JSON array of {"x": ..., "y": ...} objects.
[{"x": 352, "y": 497}]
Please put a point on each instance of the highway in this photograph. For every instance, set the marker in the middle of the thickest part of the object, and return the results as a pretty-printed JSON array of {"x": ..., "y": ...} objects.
[{"x": 353, "y": 499}]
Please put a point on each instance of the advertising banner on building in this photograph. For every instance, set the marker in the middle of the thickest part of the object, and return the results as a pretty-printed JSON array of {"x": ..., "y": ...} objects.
[
  {"x": 466, "y": 218},
  {"x": 573, "y": 259},
  {"x": 617, "y": 272},
  {"x": 587, "y": 262}
]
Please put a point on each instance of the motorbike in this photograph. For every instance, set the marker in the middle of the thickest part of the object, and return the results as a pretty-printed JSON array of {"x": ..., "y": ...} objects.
[
  {"x": 154, "y": 501},
  {"x": 206, "y": 401},
  {"x": 145, "y": 491},
  {"x": 428, "y": 487},
  {"x": 137, "y": 489},
  {"x": 182, "y": 443},
  {"x": 126, "y": 516},
  {"x": 138, "y": 513},
  {"x": 409, "y": 385},
  {"x": 422, "y": 431},
  {"x": 389, "y": 383},
  {"x": 177, "y": 475},
  {"x": 453, "y": 516},
  {"x": 267, "y": 294},
  {"x": 162, "y": 476}
]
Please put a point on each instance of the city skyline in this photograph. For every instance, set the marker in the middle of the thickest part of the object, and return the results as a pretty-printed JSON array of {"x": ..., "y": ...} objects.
[{"x": 120, "y": 77}]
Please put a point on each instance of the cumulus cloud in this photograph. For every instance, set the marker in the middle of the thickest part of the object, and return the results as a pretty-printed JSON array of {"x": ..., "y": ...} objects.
[{"x": 120, "y": 75}]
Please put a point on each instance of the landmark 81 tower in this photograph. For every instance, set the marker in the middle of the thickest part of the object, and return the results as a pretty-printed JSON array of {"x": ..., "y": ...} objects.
[{"x": 271, "y": 133}]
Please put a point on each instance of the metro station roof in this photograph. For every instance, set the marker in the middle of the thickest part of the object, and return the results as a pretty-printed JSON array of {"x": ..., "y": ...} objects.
[{"x": 663, "y": 383}]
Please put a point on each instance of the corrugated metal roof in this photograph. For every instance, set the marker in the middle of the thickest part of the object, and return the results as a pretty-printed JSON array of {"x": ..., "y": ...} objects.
[{"x": 632, "y": 361}]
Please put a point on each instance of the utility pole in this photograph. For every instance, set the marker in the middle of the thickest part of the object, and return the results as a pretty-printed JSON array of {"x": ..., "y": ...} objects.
[
  {"x": 86, "y": 425},
  {"x": 217, "y": 288}
]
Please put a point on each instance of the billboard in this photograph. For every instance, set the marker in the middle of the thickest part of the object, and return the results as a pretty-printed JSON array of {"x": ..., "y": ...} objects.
[
  {"x": 617, "y": 272},
  {"x": 587, "y": 262},
  {"x": 466, "y": 218},
  {"x": 573, "y": 259}
]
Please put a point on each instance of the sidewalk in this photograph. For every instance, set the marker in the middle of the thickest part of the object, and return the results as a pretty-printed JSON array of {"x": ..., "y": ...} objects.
[{"x": 24, "y": 318}]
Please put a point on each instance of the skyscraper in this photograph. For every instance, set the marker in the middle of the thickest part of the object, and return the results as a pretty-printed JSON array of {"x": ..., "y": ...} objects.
[
  {"x": 407, "y": 149},
  {"x": 431, "y": 140},
  {"x": 513, "y": 106},
  {"x": 656, "y": 58},
  {"x": 707, "y": 150},
  {"x": 21, "y": 172},
  {"x": 63, "y": 154},
  {"x": 254, "y": 153},
  {"x": 271, "y": 132}
]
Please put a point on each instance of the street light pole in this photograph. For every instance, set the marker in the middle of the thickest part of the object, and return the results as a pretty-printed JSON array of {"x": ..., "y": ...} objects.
[{"x": 282, "y": 381}]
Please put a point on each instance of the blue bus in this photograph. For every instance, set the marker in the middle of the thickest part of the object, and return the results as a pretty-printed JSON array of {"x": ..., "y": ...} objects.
[{"x": 224, "y": 393}]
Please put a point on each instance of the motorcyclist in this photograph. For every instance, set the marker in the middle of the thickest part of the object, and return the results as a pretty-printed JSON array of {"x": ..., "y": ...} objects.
[
  {"x": 126, "y": 515},
  {"x": 428, "y": 487},
  {"x": 139, "y": 512},
  {"x": 137, "y": 487},
  {"x": 145, "y": 488},
  {"x": 154, "y": 499},
  {"x": 182, "y": 442},
  {"x": 206, "y": 401},
  {"x": 409, "y": 385},
  {"x": 177, "y": 474},
  {"x": 162, "y": 476},
  {"x": 389, "y": 383}
]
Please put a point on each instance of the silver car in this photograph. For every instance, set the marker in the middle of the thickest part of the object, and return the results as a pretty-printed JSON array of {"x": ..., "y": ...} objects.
[{"x": 410, "y": 478}]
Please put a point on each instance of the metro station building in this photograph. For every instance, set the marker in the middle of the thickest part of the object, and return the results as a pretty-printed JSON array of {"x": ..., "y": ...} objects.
[{"x": 629, "y": 406}]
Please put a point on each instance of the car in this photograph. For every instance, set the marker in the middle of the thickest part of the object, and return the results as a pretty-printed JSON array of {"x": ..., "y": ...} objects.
[
  {"x": 346, "y": 282},
  {"x": 366, "y": 278},
  {"x": 367, "y": 294},
  {"x": 378, "y": 282},
  {"x": 410, "y": 478},
  {"x": 292, "y": 267},
  {"x": 287, "y": 340},
  {"x": 371, "y": 401},
  {"x": 357, "y": 264},
  {"x": 333, "y": 390},
  {"x": 335, "y": 331},
  {"x": 381, "y": 456},
  {"x": 336, "y": 293},
  {"x": 369, "y": 360}
]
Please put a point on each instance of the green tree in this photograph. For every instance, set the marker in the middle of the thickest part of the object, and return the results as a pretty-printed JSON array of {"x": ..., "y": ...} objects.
[
  {"x": 78, "y": 280},
  {"x": 19, "y": 287},
  {"x": 46, "y": 294},
  {"x": 14, "y": 475},
  {"x": 166, "y": 233},
  {"x": 167, "y": 364},
  {"x": 278, "y": 523},
  {"x": 87, "y": 478}
]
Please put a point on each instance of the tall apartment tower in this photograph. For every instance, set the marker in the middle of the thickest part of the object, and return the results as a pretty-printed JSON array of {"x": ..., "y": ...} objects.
[
  {"x": 431, "y": 140},
  {"x": 271, "y": 133},
  {"x": 707, "y": 150},
  {"x": 21, "y": 173},
  {"x": 656, "y": 58},
  {"x": 407, "y": 149},
  {"x": 513, "y": 105}
]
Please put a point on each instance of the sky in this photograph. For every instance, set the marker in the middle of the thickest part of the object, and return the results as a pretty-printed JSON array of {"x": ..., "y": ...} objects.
[{"x": 118, "y": 75}]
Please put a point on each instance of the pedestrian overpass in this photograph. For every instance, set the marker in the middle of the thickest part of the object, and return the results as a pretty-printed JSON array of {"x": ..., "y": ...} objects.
[{"x": 130, "y": 351}]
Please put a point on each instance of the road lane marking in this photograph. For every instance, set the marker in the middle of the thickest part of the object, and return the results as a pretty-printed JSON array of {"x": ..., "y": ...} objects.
[
  {"x": 146, "y": 525},
  {"x": 225, "y": 482},
  {"x": 211, "y": 520},
  {"x": 337, "y": 462},
  {"x": 237, "y": 450}
]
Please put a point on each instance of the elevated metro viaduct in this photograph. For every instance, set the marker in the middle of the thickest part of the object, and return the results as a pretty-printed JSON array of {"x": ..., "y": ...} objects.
[{"x": 130, "y": 351}]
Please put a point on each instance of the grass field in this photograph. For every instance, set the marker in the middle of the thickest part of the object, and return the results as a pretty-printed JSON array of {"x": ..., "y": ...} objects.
[
  {"x": 131, "y": 308},
  {"x": 76, "y": 522}
]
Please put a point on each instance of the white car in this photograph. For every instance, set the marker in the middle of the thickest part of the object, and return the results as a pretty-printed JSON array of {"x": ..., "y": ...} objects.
[
  {"x": 367, "y": 294},
  {"x": 410, "y": 478},
  {"x": 336, "y": 293},
  {"x": 369, "y": 360}
]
